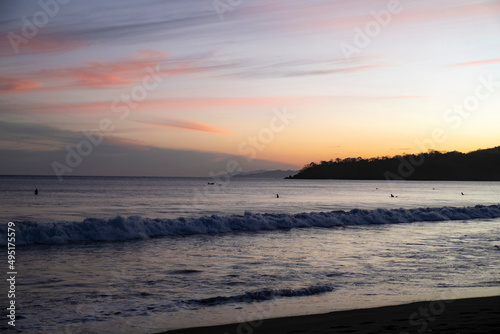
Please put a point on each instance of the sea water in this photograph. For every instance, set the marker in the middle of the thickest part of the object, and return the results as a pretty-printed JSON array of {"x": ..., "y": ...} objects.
[{"x": 111, "y": 255}]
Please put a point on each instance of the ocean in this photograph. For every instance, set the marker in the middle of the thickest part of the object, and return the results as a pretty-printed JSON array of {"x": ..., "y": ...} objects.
[{"x": 145, "y": 255}]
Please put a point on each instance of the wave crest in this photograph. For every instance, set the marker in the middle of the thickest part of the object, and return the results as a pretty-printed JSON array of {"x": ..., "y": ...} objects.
[{"x": 135, "y": 227}]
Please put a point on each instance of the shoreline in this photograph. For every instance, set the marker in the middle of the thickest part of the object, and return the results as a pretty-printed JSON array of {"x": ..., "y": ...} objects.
[{"x": 470, "y": 315}]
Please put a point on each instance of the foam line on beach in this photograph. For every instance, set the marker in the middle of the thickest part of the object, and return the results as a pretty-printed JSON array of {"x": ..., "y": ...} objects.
[
  {"x": 135, "y": 227},
  {"x": 261, "y": 295}
]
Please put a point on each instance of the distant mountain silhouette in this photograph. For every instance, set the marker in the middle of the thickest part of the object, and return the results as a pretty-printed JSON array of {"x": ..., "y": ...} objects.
[{"x": 480, "y": 165}]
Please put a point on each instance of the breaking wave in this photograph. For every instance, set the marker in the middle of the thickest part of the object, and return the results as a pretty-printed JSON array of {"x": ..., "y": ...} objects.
[{"x": 135, "y": 227}]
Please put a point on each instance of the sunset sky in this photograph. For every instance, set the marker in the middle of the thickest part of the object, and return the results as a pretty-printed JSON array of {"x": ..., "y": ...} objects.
[{"x": 184, "y": 87}]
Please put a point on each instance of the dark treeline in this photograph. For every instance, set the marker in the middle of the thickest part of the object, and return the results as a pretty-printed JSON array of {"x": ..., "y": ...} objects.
[{"x": 481, "y": 165}]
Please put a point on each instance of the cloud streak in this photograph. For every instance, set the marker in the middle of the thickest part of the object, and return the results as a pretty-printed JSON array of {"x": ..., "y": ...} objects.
[
  {"x": 13, "y": 84},
  {"x": 221, "y": 79},
  {"x": 34, "y": 136},
  {"x": 185, "y": 125},
  {"x": 175, "y": 105},
  {"x": 350, "y": 69},
  {"x": 412, "y": 13},
  {"x": 479, "y": 62},
  {"x": 45, "y": 43},
  {"x": 104, "y": 75},
  {"x": 77, "y": 25},
  {"x": 20, "y": 148},
  {"x": 171, "y": 104}
]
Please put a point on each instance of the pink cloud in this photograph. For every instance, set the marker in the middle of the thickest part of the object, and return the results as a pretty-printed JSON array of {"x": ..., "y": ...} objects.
[
  {"x": 176, "y": 104},
  {"x": 179, "y": 104},
  {"x": 479, "y": 62},
  {"x": 101, "y": 75},
  {"x": 109, "y": 75},
  {"x": 186, "y": 125},
  {"x": 13, "y": 84},
  {"x": 222, "y": 102}
]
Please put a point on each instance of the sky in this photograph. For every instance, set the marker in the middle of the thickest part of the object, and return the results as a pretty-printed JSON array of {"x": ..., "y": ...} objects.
[{"x": 204, "y": 87}]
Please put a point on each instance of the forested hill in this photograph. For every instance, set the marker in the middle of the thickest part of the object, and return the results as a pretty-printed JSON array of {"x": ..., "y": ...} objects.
[{"x": 481, "y": 165}]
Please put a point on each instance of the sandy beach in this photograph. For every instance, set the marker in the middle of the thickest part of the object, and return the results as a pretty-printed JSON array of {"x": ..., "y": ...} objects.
[{"x": 474, "y": 315}]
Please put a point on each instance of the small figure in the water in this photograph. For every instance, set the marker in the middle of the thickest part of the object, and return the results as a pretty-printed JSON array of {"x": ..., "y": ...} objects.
[
  {"x": 277, "y": 196},
  {"x": 462, "y": 194},
  {"x": 36, "y": 191},
  {"x": 392, "y": 195}
]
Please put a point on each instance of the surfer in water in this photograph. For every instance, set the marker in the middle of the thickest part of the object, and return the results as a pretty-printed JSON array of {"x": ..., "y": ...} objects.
[{"x": 36, "y": 191}]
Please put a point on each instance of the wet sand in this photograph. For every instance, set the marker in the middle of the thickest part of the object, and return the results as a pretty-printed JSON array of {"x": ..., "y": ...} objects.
[{"x": 475, "y": 315}]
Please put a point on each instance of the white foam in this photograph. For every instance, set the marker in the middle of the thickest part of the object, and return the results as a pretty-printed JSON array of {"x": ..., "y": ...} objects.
[{"x": 134, "y": 227}]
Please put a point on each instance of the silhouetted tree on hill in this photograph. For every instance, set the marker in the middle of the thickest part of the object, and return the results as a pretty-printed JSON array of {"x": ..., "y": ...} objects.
[{"x": 481, "y": 165}]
